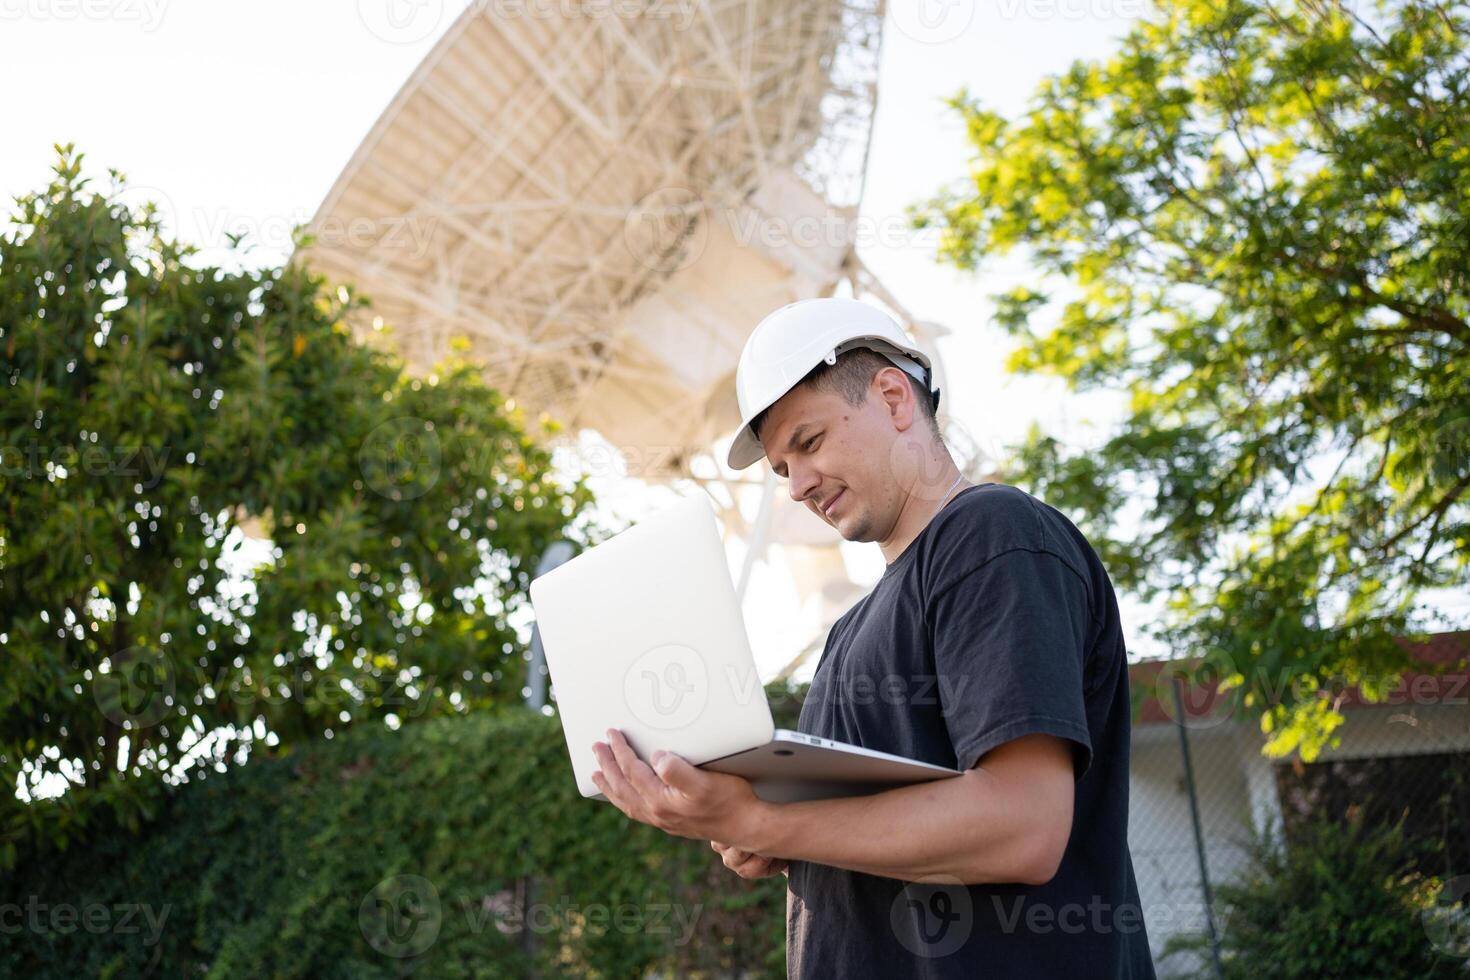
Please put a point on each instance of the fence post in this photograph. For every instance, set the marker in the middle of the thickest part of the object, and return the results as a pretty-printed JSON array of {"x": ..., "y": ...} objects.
[
  {"x": 1199, "y": 836},
  {"x": 558, "y": 553}
]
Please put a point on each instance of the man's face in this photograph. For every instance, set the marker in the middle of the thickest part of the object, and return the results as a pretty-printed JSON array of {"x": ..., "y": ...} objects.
[{"x": 836, "y": 457}]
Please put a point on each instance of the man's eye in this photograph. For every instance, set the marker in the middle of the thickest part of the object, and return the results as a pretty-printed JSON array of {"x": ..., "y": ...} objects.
[{"x": 807, "y": 447}]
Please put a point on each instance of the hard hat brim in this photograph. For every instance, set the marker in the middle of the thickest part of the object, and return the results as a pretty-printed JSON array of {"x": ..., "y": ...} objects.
[{"x": 745, "y": 450}]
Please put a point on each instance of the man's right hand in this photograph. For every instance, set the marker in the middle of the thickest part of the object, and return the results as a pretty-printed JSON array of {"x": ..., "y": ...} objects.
[{"x": 748, "y": 865}]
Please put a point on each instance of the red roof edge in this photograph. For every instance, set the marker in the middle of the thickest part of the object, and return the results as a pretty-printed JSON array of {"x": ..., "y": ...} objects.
[{"x": 1447, "y": 683}]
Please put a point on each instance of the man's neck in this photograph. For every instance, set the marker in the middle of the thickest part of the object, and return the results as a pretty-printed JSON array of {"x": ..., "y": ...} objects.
[{"x": 924, "y": 501}]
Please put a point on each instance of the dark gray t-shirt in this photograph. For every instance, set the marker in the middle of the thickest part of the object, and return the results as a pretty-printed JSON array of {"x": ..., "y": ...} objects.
[{"x": 996, "y": 622}]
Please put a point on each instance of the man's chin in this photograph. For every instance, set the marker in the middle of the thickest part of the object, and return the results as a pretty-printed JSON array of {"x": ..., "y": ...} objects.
[{"x": 855, "y": 531}]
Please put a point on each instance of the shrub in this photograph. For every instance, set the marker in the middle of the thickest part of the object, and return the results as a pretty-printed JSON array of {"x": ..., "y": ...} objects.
[
  {"x": 1340, "y": 899},
  {"x": 380, "y": 854}
]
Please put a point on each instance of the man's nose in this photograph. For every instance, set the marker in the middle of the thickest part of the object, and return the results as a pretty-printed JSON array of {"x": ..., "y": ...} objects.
[{"x": 802, "y": 485}]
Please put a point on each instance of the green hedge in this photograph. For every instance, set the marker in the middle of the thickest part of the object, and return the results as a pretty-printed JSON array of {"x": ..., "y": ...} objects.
[{"x": 390, "y": 854}]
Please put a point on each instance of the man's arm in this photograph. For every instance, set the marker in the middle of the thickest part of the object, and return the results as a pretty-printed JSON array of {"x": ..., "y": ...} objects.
[{"x": 1007, "y": 819}]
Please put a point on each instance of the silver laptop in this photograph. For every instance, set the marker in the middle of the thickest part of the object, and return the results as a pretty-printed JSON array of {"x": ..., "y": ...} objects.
[{"x": 643, "y": 633}]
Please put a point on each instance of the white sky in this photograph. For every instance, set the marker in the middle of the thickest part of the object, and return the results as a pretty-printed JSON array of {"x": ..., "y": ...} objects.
[{"x": 240, "y": 115}]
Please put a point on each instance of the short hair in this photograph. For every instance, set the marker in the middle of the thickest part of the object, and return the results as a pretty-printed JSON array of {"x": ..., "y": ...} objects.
[{"x": 851, "y": 377}]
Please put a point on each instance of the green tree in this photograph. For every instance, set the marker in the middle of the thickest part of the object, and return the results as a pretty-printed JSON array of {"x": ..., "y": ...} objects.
[
  {"x": 1254, "y": 222},
  {"x": 227, "y": 527}
]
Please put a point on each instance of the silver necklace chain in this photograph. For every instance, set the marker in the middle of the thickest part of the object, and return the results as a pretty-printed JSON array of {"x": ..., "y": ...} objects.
[{"x": 950, "y": 491}]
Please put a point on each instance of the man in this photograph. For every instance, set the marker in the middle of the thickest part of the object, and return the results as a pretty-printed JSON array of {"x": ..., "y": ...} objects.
[{"x": 991, "y": 644}]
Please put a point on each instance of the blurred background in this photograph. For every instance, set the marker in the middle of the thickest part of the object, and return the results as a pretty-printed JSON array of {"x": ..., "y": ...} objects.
[{"x": 325, "y": 328}]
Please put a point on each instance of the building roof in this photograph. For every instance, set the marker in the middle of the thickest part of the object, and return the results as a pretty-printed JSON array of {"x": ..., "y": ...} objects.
[{"x": 1445, "y": 679}]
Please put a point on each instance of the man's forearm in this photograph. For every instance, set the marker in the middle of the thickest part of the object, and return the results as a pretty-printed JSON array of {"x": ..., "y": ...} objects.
[{"x": 978, "y": 827}]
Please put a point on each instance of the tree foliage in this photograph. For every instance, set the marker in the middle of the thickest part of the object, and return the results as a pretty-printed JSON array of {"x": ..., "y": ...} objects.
[
  {"x": 226, "y": 524},
  {"x": 1254, "y": 223}
]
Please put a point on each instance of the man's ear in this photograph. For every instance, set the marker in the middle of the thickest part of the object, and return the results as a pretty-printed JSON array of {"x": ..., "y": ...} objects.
[{"x": 892, "y": 386}]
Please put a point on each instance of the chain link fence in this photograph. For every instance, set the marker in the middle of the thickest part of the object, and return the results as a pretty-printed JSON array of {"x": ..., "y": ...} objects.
[{"x": 1201, "y": 792}]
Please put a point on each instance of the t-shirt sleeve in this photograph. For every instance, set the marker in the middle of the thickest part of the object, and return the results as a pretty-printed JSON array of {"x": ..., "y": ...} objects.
[{"x": 1010, "y": 645}]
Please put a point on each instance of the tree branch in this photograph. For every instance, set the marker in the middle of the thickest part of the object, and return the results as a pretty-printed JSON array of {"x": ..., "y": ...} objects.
[{"x": 1444, "y": 504}]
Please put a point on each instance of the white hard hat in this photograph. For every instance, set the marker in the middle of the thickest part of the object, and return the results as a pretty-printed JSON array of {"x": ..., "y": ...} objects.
[{"x": 787, "y": 344}]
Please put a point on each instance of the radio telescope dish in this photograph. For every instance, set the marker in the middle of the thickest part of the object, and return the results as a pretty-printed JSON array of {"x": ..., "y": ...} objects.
[
  {"x": 597, "y": 207},
  {"x": 597, "y": 204}
]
